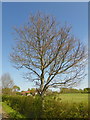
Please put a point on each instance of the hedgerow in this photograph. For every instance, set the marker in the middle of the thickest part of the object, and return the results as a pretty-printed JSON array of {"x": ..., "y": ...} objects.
[{"x": 31, "y": 107}]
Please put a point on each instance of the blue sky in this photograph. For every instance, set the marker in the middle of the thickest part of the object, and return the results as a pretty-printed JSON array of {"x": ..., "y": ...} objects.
[
  {"x": 0, "y": 40},
  {"x": 16, "y": 14}
]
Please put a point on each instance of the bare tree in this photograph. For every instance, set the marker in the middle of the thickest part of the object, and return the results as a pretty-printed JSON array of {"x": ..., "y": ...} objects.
[
  {"x": 50, "y": 53},
  {"x": 7, "y": 81}
]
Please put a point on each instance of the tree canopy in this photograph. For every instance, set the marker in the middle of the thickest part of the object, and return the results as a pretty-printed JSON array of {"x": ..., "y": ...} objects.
[
  {"x": 16, "y": 88},
  {"x": 50, "y": 53}
]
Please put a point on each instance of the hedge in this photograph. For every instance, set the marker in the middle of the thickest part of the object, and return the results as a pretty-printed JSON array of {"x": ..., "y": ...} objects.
[{"x": 31, "y": 107}]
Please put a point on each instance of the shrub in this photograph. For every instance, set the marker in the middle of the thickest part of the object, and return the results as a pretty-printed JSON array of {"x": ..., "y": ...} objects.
[{"x": 29, "y": 106}]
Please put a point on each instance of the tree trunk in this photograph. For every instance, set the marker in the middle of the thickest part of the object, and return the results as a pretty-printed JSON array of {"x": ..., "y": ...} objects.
[
  {"x": 42, "y": 106},
  {"x": 42, "y": 99}
]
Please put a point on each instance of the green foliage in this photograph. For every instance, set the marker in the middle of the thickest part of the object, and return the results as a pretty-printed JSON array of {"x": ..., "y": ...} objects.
[
  {"x": 11, "y": 91},
  {"x": 16, "y": 88},
  {"x": 12, "y": 113},
  {"x": 67, "y": 106},
  {"x": 72, "y": 90},
  {"x": 32, "y": 91},
  {"x": 87, "y": 90},
  {"x": 69, "y": 90},
  {"x": 63, "y": 106},
  {"x": 18, "y": 93},
  {"x": 28, "y": 89},
  {"x": 28, "y": 106},
  {"x": 7, "y": 91}
]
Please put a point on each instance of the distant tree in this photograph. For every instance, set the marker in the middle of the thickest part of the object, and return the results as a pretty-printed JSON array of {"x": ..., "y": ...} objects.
[
  {"x": 63, "y": 90},
  {"x": 32, "y": 91},
  {"x": 22, "y": 91},
  {"x": 48, "y": 92},
  {"x": 81, "y": 91},
  {"x": 7, "y": 91},
  {"x": 87, "y": 90},
  {"x": 69, "y": 90},
  {"x": 28, "y": 89},
  {"x": 50, "y": 53},
  {"x": 16, "y": 88},
  {"x": 7, "y": 81},
  {"x": 18, "y": 93}
]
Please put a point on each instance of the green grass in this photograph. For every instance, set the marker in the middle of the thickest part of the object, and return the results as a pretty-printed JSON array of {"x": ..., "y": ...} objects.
[
  {"x": 12, "y": 113},
  {"x": 71, "y": 98},
  {"x": 0, "y": 98},
  {"x": 77, "y": 98}
]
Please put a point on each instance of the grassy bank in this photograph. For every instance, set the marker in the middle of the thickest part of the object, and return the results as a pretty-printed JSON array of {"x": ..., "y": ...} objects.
[{"x": 11, "y": 112}]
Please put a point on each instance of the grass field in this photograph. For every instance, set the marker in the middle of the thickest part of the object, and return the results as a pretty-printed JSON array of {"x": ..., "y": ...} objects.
[
  {"x": 71, "y": 98},
  {"x": 77, "y": 98}
]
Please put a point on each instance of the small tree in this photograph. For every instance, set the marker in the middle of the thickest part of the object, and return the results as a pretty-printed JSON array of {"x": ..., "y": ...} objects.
[
  {"x": 52, "y": 56},
  {"x": 16, "y": 88},
  {"x": 28, "y": 89}
]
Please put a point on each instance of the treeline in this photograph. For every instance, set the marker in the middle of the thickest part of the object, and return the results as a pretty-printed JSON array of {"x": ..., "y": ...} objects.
[
  {"x": 11, "y": 91},
  {"x": 72, "y": 90}
]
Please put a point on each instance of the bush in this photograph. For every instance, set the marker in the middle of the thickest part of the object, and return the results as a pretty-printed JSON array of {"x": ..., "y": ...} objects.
[
  {"x": 54, "y": 109},
  {"x": 12, "y": 113},
  {"x": 28, "y": 106}
]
